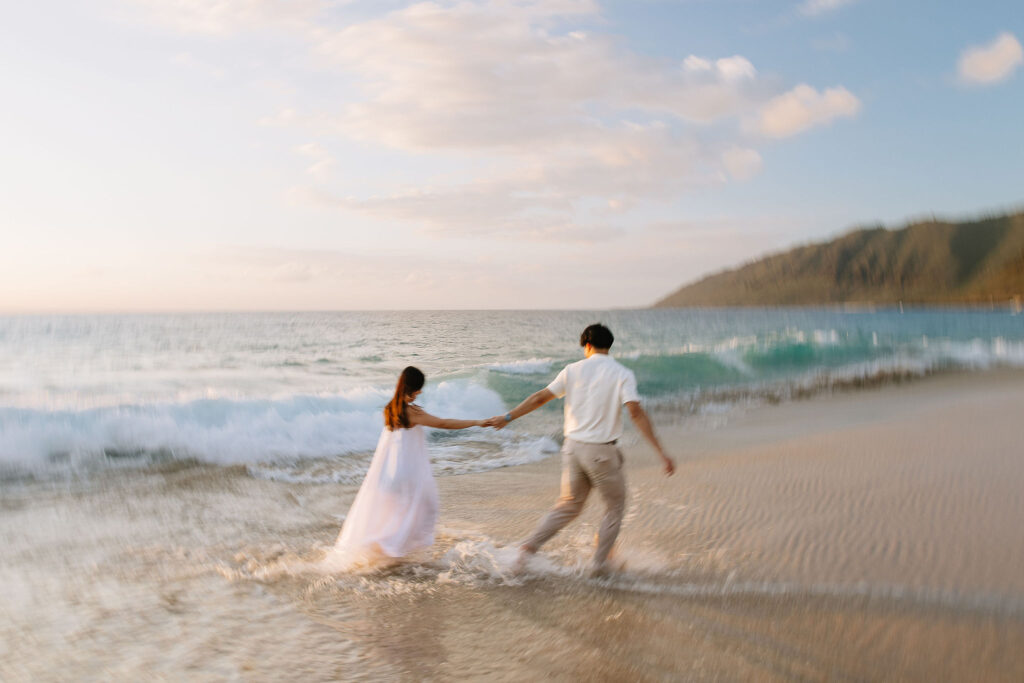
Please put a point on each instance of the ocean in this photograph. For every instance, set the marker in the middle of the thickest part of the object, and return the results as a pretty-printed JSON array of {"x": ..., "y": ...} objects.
[
  {"x": 298, "y": 395},
  {"x": 169, "y": 486}
]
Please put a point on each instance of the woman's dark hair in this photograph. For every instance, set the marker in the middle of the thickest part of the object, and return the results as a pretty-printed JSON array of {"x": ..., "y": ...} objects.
[
  {"x": 598, "y": 336},
  {"x": 409, "y": 382}
]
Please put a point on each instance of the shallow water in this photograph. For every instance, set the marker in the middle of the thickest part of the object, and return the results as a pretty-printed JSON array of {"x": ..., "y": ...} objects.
[
  {"x": 771, "y": 563},
  {"x": 170, "y": 484}
]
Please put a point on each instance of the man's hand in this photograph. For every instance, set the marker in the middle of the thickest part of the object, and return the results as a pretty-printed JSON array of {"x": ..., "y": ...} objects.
[
  {"x": 670, "y": 465},
  {"x": 643, "y": 425},
  {"x": 498, "y": 421}
]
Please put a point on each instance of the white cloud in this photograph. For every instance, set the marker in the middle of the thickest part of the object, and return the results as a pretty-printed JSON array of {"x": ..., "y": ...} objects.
[
  {"x": 816, "y": 7},
  {"x": 540, "y": 197},
  {"x": 735, "y": 68},
  {"x": 475, "y": 209},
  {"x": 741, "y": 162},
  {"x": 322, "y": 279},
  {"x": 804, "y": 107},
  {"x": 323, "y": 162},
  {"x": 563, "y": 119},
  {"x": 658, "y": 260},
  {"x": 220, "y": 17},
  {"x": 524, "y": 85},
  {"x": 993, "y": 62},
  {"x": 564, "y": 116}
]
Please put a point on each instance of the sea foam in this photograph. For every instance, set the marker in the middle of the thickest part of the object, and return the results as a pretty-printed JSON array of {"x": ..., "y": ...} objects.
[
  {"x": 218, "y": 431},
  {"x": 530, "y": 366}
]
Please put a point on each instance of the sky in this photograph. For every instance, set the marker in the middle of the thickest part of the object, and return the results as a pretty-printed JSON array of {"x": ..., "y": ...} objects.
[{"x": 182, "y": 155}]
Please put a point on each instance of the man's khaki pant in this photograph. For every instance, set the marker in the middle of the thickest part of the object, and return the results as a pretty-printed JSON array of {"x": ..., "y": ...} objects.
[{"x": 586, "y": 466}]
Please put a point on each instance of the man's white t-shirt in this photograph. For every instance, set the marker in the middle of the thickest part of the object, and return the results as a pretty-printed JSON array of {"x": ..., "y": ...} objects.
[{"x": 595, "y": 389}]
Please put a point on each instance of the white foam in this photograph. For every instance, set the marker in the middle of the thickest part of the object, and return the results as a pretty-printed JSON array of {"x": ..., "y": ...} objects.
[
  {"x": 462, "y": 399},
  {"x": 220, "y": 431},
  {"x": 478, "y": 451},
  {"x": 731, "y": 357},
  {"x": 472, "y": 560},
  {"x": 909, "y": 362},
  {"x": 981, "y": 354},
  {"x": 825, "y": 337},
  {"x": 530, "y": 366},
  {"x": 479, "y": 560},
  {"x": 476, "y": 560}
]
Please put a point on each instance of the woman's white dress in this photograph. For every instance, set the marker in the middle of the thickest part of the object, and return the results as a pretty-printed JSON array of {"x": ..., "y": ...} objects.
[{"x": 396, "y": 509}]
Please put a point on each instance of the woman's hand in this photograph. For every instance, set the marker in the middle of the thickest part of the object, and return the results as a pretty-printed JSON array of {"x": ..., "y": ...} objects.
[{"x": 498, "y": 421}]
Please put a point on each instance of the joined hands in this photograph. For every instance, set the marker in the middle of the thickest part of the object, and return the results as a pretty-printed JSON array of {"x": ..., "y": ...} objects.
[{"x": 498, "y": 421}]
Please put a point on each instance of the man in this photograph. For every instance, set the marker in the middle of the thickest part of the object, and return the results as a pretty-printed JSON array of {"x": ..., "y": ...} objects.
[{"x": 595, "y": 389}]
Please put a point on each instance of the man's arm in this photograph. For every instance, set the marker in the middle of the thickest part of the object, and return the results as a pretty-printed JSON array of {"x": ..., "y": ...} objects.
[
  {"x": 643, "y": 425},
  {"x": 532, "y": 402}
]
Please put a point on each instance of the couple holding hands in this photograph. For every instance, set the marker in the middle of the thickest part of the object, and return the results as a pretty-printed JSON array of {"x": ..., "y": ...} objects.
[{"x": 396, "y": 509}]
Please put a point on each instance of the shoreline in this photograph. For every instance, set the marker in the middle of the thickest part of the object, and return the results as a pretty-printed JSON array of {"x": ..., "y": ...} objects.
[
  {"x": 819, "y": 449},
  {"x": 865, "y": 535},
  {"x": 871, "y": 535}
]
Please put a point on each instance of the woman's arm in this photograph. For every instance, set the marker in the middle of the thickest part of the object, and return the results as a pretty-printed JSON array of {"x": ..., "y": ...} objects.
[{"x": 418, "y": 416}]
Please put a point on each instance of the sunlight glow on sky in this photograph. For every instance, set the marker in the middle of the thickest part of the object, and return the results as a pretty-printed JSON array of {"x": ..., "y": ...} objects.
[{"x": 316, "y": 155}]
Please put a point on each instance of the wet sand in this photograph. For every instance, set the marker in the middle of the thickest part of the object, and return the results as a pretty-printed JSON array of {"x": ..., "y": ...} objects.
[
  {"x": 873, "y": 535},
  {"x": 920, "y": 485},
  {"x": 870, "y": 535}
]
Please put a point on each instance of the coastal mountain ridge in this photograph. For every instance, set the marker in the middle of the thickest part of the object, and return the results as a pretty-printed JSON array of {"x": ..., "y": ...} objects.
[{"x": 978, "y": 261}]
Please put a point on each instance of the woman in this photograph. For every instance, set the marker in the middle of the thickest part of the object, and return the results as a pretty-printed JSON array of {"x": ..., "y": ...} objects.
[{"x": 396, "y": 508}]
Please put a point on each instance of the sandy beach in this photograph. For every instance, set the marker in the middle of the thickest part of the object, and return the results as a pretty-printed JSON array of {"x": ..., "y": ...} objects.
[{"x": 870, "y": 535}]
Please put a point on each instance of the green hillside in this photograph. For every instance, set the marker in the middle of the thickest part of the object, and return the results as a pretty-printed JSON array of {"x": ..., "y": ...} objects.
[{"x": 931, "y": 262}]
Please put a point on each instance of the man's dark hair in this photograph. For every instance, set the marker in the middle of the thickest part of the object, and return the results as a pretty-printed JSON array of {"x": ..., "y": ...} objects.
[{"x": 598, "y": 336}]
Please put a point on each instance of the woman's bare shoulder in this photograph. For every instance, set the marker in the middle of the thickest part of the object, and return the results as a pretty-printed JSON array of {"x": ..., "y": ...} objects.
[{"x": 414, "y": 413}]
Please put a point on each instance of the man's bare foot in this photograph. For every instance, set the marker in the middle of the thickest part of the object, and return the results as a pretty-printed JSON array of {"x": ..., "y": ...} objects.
[
  {"x": 598, "y": 571},
  {"x": 525, "y": 553}
]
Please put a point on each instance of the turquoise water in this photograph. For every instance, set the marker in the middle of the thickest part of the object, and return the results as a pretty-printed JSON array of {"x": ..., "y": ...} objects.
[{"x": 273, "y": 391}]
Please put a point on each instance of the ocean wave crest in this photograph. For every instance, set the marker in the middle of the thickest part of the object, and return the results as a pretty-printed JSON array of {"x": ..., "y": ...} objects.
[
  {"x": 217, "y": 431},
  {"x": 530, "y": 366}
]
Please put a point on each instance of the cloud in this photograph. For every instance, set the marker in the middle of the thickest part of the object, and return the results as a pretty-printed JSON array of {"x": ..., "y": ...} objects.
[
  {"x": 323, "y": 162},
  {"x": 330, "y": 279},
  {"x": 524, "y": 83},
  {"x": 815, "y": 7},
  {"x": 220, "y": 17},
  {"x": 553, "y": 118},
  {"x": 727, "y": 69},
  {"x": 659, "y": 260},
  {"x": 477, "y": 209},
  {"x": 991, "y": 63},
  {"x": 742, "y": 163},
  {"x": 542, "y": 198},
  {"x": 564, "y": 115},
  {"x": 804, "y": 107}
]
